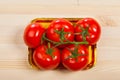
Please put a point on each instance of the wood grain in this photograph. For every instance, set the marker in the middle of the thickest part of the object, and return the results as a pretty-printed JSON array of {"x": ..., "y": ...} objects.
[{"x": 13, "y": 52}]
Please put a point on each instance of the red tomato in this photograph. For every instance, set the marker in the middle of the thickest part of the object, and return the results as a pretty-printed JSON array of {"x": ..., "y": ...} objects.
[
  {"x": 60, "y": 30},
  {"x": 75, "y": 57},
  {"x": 33, "y": 34},
  {"x": 87, "y": 29},
  {"x": 46, "y": 58}
]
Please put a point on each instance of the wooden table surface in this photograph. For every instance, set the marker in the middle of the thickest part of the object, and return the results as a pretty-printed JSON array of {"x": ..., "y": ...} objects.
[{"x": 13, "y": 53}]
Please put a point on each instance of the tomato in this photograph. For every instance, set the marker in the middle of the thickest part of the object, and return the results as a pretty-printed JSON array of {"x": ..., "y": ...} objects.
[
  {"x": 46, "y": 58},
  {"x": 75, "y": 57},
  {"x": 60, "y": 30},
  {"x": 33, "y": 34},
  {"x": 87, "y": 29}
]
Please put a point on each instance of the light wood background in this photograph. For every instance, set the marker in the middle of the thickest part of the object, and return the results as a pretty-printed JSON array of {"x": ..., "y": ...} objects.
[{"x": 15, "y": 15}]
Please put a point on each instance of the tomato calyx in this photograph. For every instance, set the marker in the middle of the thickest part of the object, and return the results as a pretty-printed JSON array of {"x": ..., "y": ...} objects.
[
  {"x": 62, "y": 33},
  {"x": 84, "y": 32},
  {"x": 74, "y": 53},
  {"x": 49, "y": 51}
]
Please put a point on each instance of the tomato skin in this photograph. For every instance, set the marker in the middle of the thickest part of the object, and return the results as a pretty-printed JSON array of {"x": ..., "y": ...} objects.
[
  {"x": 33, "y": 34},
  {"x": 43, "y": 60},
  {"x": 94, "y": 30},
  {"x": 58, "y": 24},
  {"x": 77, "y": 63}
]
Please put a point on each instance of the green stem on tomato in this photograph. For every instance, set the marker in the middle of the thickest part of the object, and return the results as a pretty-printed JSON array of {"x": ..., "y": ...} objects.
[
  {"x": 76, "y": 43},
  {"x": 44, "y": 38},
  {"x": 50, "y": 50},
  {"x": 60, "y": 43}
]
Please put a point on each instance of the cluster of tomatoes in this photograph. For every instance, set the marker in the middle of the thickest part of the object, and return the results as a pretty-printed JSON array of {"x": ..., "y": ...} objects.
[{"x": 62, "y": 42}]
